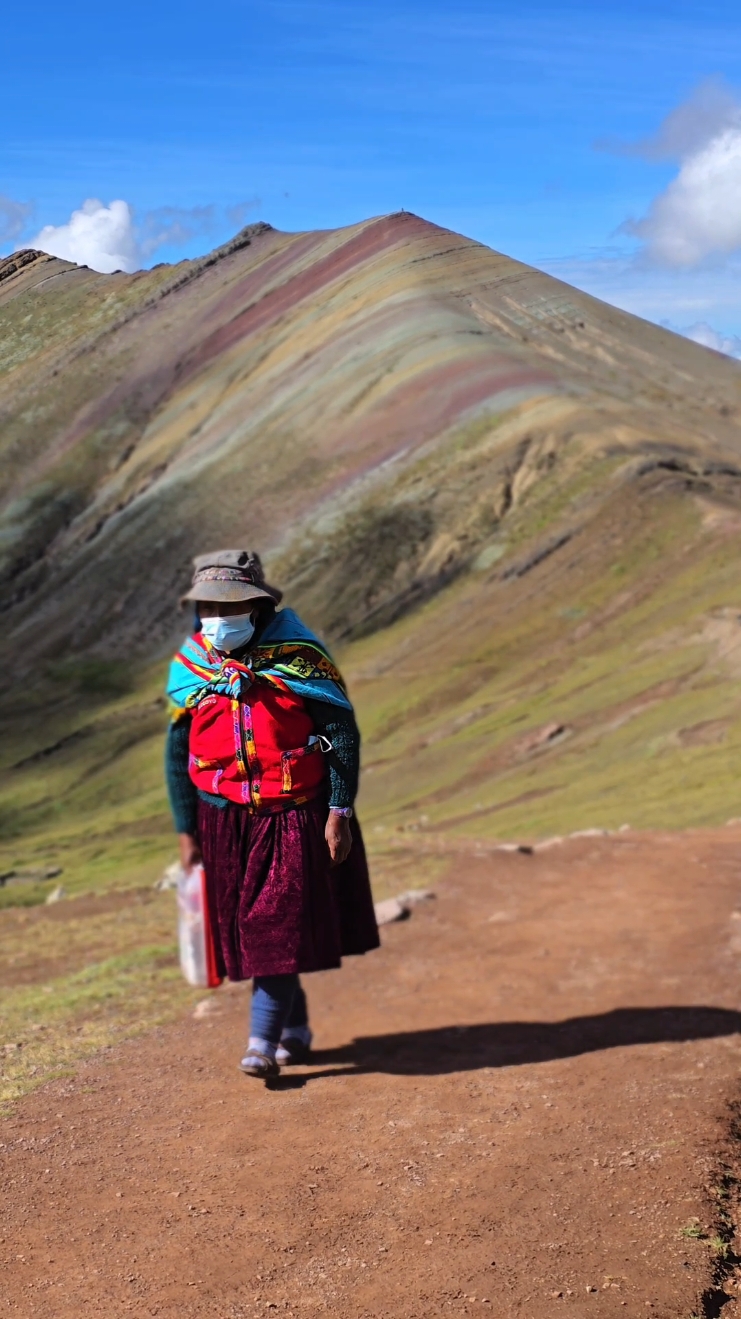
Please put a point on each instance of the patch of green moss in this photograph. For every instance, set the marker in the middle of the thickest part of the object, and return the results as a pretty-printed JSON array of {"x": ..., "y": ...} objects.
[{"x": 86, "y": 1011}]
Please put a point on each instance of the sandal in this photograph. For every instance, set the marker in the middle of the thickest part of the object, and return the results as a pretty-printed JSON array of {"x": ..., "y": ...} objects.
[
  {"x": 258, "y": 1064},
  {"x": 292, "y": 1051}
]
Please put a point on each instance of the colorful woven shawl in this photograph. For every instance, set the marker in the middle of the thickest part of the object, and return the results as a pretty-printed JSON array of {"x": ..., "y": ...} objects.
[{"x": 287, "y": 655}]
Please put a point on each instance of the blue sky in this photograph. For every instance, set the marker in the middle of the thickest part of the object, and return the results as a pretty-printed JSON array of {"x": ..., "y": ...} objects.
[{"x": 489, "y": 118}]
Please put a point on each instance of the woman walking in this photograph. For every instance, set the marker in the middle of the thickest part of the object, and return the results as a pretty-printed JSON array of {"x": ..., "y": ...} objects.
[{"x": 262, "y": 764}]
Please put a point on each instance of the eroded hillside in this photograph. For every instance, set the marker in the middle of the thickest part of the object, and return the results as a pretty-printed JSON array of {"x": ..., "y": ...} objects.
[{"x": 514, "y": 510}]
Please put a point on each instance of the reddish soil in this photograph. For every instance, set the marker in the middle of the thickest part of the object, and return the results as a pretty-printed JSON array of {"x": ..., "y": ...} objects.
[{"x": 515, "y": 1107}]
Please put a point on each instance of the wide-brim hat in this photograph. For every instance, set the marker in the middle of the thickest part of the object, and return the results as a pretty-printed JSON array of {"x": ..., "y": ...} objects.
[{"x": 230, "y": 575}]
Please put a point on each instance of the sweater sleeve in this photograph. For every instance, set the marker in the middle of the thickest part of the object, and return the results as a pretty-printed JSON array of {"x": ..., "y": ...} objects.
[
  {"x": 180, "y": 788},
  {"x": 340, "y": 728}
]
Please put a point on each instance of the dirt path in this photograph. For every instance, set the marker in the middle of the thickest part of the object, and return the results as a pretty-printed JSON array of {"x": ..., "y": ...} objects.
[{"x": 516, "y": 1106}]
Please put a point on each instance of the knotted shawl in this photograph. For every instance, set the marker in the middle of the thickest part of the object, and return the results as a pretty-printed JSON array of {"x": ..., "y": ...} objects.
[{"x": 288, "y": 655}]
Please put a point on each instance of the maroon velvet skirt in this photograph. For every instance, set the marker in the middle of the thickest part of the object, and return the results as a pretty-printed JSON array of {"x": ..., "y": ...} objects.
[{"x": 276, "y": 904}]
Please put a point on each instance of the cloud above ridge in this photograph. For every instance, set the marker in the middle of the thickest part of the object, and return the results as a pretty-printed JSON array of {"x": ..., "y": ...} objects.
[
  {"x": 696, "y": 220},
  {"x": 108, "y": 237},
  {"x": 173, "y": 226},
  {"x": 13, "y": 217},
  {"x": 98, "y": 236},
  {"x": 704, "y": 334}
]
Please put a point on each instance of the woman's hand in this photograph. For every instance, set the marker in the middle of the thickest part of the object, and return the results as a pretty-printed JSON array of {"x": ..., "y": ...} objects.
[
  {"x": 339, "y": 838},
  {"x": 190, "y": 852}
]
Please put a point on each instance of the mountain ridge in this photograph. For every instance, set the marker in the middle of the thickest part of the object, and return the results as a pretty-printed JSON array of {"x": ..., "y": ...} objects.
[
  {"x": 285, "y": 275},
  {"x": 507, "y": 505}
]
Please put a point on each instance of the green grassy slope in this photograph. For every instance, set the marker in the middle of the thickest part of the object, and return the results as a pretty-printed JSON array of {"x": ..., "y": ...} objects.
[
  {"x": 595, "y": 688},
  {"x": 514, "y": 511}
]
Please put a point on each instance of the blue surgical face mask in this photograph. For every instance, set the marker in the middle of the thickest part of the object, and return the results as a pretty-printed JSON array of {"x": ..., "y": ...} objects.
[{"x": 228, "y": 634}]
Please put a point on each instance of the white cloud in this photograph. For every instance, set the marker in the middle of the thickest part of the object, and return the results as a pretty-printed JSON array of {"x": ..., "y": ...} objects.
[
  {"x": 98, "y": 236},
  {"x": 237, "y": 215},
  {"x": 712, "y": 108},
  {"x": 696, "y": 219},
  {"x": 171, "y": 225},
  {"x": 704, "y": 334},
  {"x": 13, "y": 217},
  {"x": 681, "y": 300},
  {"x": 107, "y": 238}
]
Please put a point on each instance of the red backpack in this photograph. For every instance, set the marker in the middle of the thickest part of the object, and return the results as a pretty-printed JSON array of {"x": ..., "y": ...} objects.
[{"x": 260, "y": 750}]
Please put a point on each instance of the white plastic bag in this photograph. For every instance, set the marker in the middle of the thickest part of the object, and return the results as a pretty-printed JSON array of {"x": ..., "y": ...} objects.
[{"x": 197, "y": 960}]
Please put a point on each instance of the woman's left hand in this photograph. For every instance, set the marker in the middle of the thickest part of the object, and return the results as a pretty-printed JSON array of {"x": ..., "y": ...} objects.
[{"x": 339, "y": 838}]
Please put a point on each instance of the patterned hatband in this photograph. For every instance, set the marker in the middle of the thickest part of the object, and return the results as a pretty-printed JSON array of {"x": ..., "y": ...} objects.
[
  {"x": 248, "y": 574},
  {"x": 230, "y": 575}
]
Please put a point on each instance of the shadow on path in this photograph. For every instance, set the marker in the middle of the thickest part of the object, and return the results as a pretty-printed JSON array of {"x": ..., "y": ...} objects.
[{"x": 447, "y": 1049}]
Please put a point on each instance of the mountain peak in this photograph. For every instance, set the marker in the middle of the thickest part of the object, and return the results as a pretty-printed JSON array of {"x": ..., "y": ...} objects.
[{"x": 285, "y": 382}]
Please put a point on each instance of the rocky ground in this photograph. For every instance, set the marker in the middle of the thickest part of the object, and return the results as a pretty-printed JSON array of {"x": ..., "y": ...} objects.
[{"x": 522, "y": 1105}]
